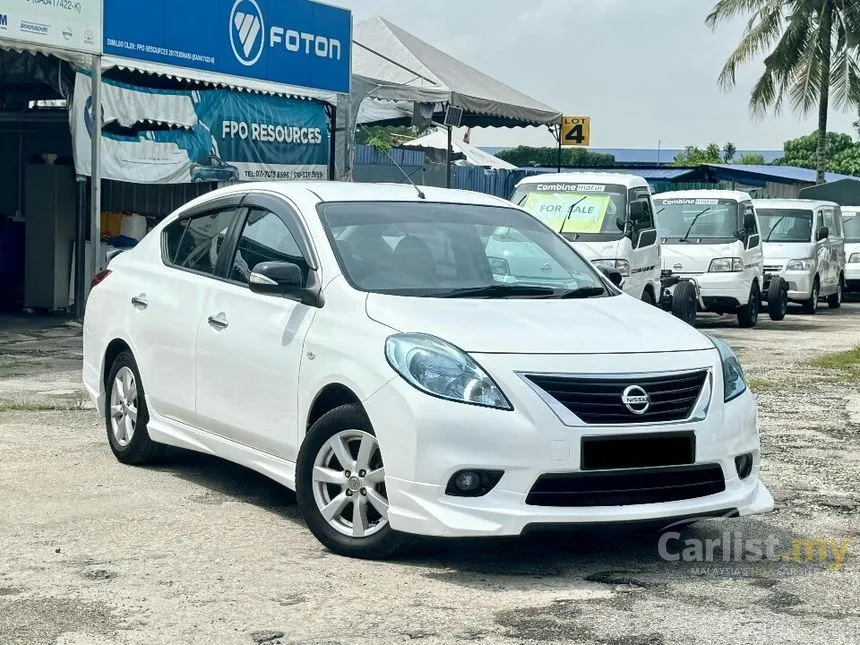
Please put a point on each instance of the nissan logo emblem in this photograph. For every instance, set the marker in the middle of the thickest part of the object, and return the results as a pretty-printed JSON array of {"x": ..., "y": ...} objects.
[{"x": 636, "y": 399}]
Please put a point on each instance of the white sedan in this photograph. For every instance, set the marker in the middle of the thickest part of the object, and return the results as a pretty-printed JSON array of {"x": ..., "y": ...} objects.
[{"x": 414, "y": 361}]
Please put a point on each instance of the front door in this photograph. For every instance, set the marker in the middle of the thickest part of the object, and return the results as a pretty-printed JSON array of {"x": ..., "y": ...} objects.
[
  {"x": 249, "y": 346},
  {"x": 645, "y": 254}
]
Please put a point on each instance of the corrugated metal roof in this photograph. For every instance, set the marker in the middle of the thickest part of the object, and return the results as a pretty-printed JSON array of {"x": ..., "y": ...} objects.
[
  {"x": 648, "y": 174},
  {"x": 778, "y": 174},
  {"x": 652, "y": 155}
]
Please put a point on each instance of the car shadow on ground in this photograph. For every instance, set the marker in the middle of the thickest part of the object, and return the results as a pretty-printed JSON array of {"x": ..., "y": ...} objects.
[{"x": 618, "y": 555}]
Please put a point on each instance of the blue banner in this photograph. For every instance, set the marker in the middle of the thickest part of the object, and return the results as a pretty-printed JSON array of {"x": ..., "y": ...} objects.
[
  {"x": 294, "y": 42},
  {"x": 214, "y": 135}
]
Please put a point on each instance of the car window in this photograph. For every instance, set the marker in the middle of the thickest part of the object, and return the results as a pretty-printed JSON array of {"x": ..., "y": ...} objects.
[
  {"x": 833, "y": 223},
  {"x": 194, "y": 243},
  {"x": 748, "y": 210},
  {"x": 265, "y": 238}
]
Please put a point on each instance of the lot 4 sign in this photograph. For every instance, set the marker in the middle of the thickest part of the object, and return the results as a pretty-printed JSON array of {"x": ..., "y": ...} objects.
[{"x": 576, "y": 131}]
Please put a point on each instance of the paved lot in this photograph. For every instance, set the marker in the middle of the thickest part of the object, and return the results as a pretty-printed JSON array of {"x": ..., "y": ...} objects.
[{"x": 200, "y": 551}]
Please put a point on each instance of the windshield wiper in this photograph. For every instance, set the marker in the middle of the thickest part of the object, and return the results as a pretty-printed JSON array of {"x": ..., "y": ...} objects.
[
  {"x": 570, "y": 212},
  {"x": 501, "y": 291},
  {"x": 582, "y": 292},
  {"x": 693, "y": 223},
  {"x": 773, "y": 228}
]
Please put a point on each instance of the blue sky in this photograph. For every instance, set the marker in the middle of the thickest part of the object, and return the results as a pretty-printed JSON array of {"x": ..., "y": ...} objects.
[{"x": 644, "y": 70}]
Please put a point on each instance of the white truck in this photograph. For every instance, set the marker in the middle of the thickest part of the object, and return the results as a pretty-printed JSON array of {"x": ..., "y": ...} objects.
[
  {"x": 712, "y": 256},
  {"x": 851, "y": 226},
  {"x": 607, "y": 217},
  {"x": 804, "y": 244}
]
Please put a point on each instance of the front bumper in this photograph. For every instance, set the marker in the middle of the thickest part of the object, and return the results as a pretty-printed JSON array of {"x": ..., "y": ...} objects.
[
  {"x": 425, "y": 440},
  {"x": 721, "y": 292},
  {"x": 799, "y": 283},
  {"x": 852, "y": 275}
]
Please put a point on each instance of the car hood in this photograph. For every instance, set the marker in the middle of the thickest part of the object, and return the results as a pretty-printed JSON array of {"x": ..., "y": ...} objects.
[
  {"x": 693, "y": 258},
  {"x": 782, "y": 252},
  {"x": 615, "y": 325}
]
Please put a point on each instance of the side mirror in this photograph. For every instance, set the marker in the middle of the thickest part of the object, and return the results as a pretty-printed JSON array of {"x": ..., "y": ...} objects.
[
  {"x": 742, "y": 235},
  {"x": 613, "y": 274},
  {"x": 823, "y": 233},
  {"x": 285, "y": 279}
]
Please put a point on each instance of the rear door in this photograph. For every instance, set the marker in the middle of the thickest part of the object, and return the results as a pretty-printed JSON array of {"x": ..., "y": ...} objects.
[
  {"x": 167, "y": 300},
  {"x": 249, "y": 346},
  {"x": 753, "y": 253}
]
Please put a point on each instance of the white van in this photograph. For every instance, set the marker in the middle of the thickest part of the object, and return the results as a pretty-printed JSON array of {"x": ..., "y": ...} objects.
[
  {"x": 851, "y": 229},
  {"x": 804, "y": 243},
  {"x": 711, "y": 238},
  {"x": 607, "y": 217}
]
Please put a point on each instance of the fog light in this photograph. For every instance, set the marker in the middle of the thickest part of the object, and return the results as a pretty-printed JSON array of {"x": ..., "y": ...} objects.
[
  {"x": 472, "y": 483},
  {"x": 744, "y": 464}
]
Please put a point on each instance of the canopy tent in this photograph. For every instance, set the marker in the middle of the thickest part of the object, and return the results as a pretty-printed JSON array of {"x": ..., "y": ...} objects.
[
  {"x": 420, "y": 81},
  {"x": 471, "y": 155},
  {"x": 845, "y": 192}
]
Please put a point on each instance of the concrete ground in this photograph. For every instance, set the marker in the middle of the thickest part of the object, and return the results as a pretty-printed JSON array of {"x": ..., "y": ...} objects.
[{"x": 196, "y": 550}]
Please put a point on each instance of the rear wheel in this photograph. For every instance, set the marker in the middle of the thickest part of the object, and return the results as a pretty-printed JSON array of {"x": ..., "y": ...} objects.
[
  {"x": 835, "y": 301},
  {"x": 340, "y": 485},
  {"x": 748, "y": 314},
  {"x": 684, "y": 302},
  {"x": 127, "y": 416},
  {"x": 811, "y": 306},
  {"x": 777, "y": 298}
]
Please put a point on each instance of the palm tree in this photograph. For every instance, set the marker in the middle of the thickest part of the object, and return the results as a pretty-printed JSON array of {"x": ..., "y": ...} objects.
[{"x": 812, "y": 51}]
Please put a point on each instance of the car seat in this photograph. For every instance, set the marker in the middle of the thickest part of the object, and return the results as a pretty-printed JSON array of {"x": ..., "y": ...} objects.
[{"x": 413, "y": 256}]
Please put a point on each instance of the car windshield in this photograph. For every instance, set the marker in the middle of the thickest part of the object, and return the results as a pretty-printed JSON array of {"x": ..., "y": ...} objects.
[
  {"x": 702, "y": 220},
  {"x": 575, "y": 210},
  {"x": 454, "y": 250},
  {"x": 851, "y": 224},
  {"x": 785, "y": 225}
]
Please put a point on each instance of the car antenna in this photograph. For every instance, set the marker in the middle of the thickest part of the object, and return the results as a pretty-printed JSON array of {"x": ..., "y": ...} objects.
[{"x": 403, "y": 172}]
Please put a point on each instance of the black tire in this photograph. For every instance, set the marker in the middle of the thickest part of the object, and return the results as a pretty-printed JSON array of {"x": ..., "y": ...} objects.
[
  {"x": 777, "y": 298},
  {"x": 685, "y": 302},
  {"x": 811, "y": 306},
  {"x": 834, "y": 301},
  {"x": 648, "y": 297},
  {"x": 380, "y": 545},
  {"x": 141, "y": 449},
  {"x": 748, "y": 314}
]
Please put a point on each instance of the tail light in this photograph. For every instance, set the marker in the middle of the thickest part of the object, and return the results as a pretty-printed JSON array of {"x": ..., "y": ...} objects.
[{"x": 99, "y": 277}]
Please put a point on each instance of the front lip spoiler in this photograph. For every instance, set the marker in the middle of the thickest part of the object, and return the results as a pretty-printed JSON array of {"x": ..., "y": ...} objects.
[{"x": 546, "y": 527}]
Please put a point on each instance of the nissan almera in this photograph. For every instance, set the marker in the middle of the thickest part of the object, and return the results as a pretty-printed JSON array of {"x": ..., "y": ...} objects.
[{"x": 414, "y": 362}]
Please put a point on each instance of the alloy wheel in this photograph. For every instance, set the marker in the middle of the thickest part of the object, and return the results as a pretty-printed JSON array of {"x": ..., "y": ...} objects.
[
  {"x": 349, "y": 484},
  {"x": 123, "y": 406}
]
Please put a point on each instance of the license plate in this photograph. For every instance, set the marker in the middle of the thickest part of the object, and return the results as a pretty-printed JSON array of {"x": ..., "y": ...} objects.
[{"x": 638, "y": 451}]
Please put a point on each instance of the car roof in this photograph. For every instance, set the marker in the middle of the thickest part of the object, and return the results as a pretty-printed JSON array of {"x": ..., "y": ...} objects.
[
  {"x": 736, "y": 195},
  {"x": 337, "y": 191},
  {"x": 623, "y": 179},
  {"x": 785, "y": 204}
]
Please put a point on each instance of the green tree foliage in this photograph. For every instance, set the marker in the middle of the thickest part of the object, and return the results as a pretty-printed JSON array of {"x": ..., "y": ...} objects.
[
  {"x": 385, "y": 138},
  {"x": 750, "y": 159},
  {"x": 729, "y": 152},
  {"x": 523, "y": 156},
  {"x": 812, "y": 54},
  {"x": 695, "y": 156},
  {"x": 843, "y": 153}
]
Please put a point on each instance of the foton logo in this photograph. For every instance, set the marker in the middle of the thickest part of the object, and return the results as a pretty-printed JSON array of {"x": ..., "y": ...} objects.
[{"x": 246, "y": 31}]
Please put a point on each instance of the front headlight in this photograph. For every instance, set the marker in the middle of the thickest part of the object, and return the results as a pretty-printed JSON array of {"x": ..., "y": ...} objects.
[
  {"x": 438, "y": 368},
  {"x": 623, "y": 266},
  {"x": 799, "y": 265},
  {"x": 726, "y": 265},
  {"x": 734, "y": 382},
  {"x": 854, "y": 259}
]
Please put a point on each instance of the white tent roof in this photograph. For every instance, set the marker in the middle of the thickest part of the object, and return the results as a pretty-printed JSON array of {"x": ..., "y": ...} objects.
[
  {"x": 414, "y": 70},
  {"x": 438, "y": 140}
]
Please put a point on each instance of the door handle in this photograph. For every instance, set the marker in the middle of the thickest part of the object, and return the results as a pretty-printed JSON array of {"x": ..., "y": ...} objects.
[
  {"x": 140, "y": 301},
  {"x": 219, "y": 322}
]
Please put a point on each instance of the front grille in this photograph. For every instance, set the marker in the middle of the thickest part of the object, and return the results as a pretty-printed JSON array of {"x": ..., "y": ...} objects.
[
  {"x": 772, "y": 268},
  {"x": 623, "y": 488},
  {"x": 597, "y": 400}
]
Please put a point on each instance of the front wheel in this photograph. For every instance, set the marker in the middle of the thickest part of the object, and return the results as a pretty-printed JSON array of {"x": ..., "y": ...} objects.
[
  {"x": 834, "y": 301},
  {"x": 684, "y": 302},
  {"x": 648, "y": 297},
  {"x": 340, "y": 486},
  {"x": 811, "y": 306},
  {"x": 777, "y": 298},
  {"x": 748, "y": 314}
]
